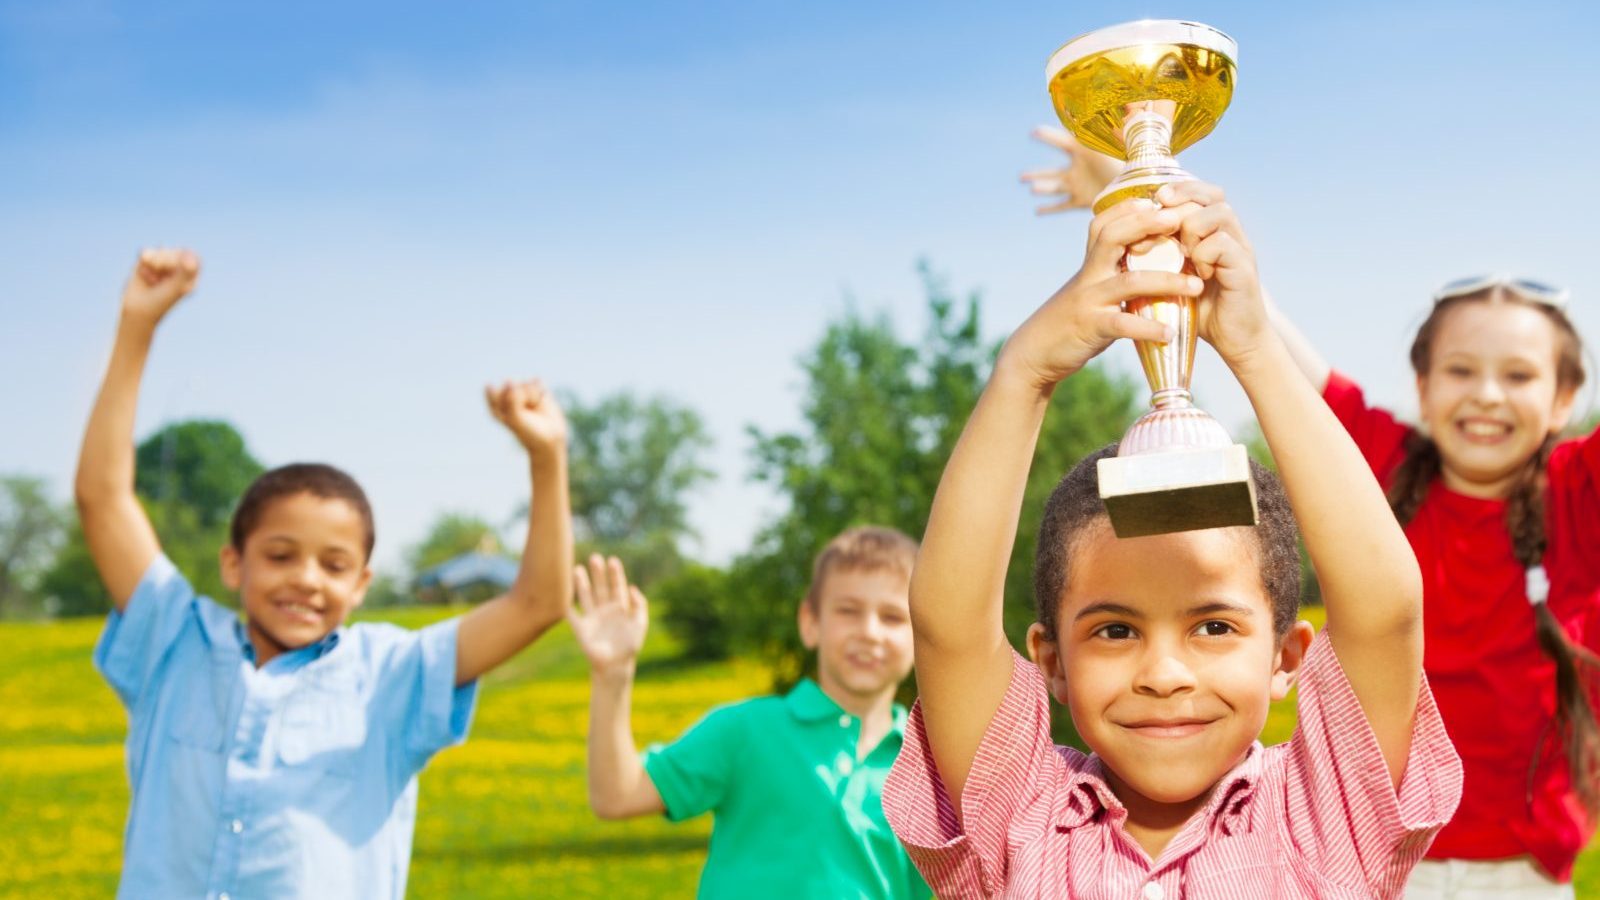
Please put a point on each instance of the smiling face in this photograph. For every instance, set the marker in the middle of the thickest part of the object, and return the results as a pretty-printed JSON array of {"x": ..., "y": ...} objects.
[
  {"x": 860, "y": 626},
  {"x": 301, "y": 571},
  {"x": 1168, "y": 669},
  {"x": 1491, "y": 392}
]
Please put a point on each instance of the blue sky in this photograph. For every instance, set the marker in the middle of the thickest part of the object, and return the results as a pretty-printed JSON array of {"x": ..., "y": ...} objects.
[{"x": 399, "y": 202}]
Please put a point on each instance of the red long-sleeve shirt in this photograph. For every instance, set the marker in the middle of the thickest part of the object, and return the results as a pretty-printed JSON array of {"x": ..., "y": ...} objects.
[{"x": 1494, "y": 686}]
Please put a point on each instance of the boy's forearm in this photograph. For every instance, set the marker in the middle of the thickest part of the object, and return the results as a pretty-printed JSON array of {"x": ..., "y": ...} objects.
[
  {"x": 1306, "y": 357},
  {"x": 106, "y": 460},
  {"x": 958, "y": 583},
  {"x": 1360, "y": 552},
  {"x": 500, "y": 628},
  {"x": 957, "y": 586},
  {"x": 121, "y": 541},
  {"x": 617, "y": 779},
  {"x": 1371, "y": 585},
  {"x": 544, "y": 580}
]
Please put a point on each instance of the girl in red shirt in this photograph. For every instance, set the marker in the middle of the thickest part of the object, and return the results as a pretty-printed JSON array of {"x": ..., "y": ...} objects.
[{"x": 1505, "y": 520}]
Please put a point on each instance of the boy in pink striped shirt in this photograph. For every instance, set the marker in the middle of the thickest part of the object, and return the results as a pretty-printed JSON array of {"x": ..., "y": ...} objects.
[{"x": 1167, "y": 649}]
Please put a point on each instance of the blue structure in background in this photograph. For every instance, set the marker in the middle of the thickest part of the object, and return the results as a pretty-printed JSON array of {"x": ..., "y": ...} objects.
[{"x": 454, "y": 577}]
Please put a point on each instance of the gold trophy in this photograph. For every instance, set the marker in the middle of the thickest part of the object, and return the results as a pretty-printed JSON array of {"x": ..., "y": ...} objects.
[{"x": 1141, "y": 92}]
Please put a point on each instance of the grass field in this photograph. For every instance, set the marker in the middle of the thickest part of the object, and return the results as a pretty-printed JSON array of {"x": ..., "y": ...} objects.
[{"x": 503, "y": 816}]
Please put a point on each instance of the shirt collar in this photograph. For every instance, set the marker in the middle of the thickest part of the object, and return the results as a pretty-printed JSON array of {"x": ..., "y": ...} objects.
[
  {"x": 808, "y": 703},
  {"x": 311, "y": 652},
  {"x": 1089, "y": 794}
]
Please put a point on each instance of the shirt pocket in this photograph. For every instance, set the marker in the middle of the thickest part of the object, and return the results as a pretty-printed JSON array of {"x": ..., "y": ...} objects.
[
  {"x": 323, "y": 726},
  {"x": 199, "y": 713}
]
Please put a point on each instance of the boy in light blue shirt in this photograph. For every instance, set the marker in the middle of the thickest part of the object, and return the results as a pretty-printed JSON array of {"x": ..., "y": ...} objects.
[{"x": 276, "y": 755}]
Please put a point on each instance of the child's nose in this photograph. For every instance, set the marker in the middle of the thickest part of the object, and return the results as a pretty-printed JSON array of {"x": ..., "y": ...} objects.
[
  {"x": 873, "y": 627},
  {"x": 305, "y": 576},
  {"x": 1163, "y": 674},
  {"x": 1490, "y": 390}
]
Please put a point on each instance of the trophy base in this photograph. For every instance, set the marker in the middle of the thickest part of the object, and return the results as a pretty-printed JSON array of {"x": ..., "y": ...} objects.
[{"x": 1181, "y": 490}]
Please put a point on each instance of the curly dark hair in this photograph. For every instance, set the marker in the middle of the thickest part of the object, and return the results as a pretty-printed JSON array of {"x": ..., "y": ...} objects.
[{"x": 1075, "y": 504}]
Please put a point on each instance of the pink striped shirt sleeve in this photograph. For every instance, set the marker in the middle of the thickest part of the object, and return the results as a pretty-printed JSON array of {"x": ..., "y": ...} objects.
[
  {"x": 1005, "y": 799},
  {"x": 1346, "y": 820}
]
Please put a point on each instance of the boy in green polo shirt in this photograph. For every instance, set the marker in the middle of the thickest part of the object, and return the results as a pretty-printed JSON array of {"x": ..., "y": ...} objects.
[{"x": 794, "y": 782}]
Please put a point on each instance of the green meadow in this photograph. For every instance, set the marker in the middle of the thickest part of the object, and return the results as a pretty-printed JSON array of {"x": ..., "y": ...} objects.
[{"x": 504, "y": 815}]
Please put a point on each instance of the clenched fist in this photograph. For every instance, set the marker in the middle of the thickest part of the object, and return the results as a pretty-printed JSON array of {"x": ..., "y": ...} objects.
[
  {"x": 531, "y": 413},
  {"x": 160, "y": 279}
]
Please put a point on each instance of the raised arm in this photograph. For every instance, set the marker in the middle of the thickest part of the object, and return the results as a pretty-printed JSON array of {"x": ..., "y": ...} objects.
[
  {"x": 538, "y": 599},
  {"x": 963, "y": 659},
  {"x": 1306, "y": 358},
  {"x": 610, "y": 623},
  {"x": 1370, "y": 581},
  {"x": 120, "y": 538}
]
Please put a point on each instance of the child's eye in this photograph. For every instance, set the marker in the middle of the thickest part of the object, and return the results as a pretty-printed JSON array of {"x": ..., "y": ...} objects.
[
  {"x": 1216, "y": 629},
  {"x": 1116, "y": 631},
  {"x": 1459, "y": 371},
  {"x": 1519, "y": 377},
  {"x": 335, "y": 566}
]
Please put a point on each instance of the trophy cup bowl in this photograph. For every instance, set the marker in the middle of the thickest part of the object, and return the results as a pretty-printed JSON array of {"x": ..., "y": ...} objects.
[{"x": 1142, "y": 91}]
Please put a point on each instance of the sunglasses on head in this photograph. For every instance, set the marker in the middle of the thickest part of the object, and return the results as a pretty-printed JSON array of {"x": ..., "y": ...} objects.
[{"x": 1524, "y": 288}]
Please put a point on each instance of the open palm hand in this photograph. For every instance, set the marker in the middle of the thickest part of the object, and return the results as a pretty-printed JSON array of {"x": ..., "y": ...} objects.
[{"x": 610, "y": 616}]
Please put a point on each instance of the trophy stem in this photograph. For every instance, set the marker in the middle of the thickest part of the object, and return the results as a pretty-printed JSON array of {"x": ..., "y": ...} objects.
[
  {"x": 1171, "y": 398},
  {"x": 1149, "y": 140},
  {"x": 1147, "y": 135}
]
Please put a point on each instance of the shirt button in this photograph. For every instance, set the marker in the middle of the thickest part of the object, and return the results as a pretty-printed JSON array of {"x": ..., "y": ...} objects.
[
  {"x": 1153, "y": 891},
  {"x": 237, "y": 826},
  {"x": 844, "y": 721}
]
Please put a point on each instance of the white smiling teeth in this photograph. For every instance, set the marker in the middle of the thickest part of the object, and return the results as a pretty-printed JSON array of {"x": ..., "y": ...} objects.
[{"x": 1484, "y": 429}]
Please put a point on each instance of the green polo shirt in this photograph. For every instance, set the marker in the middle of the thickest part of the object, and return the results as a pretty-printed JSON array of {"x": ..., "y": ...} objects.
[{"x": 795, "y": 814}]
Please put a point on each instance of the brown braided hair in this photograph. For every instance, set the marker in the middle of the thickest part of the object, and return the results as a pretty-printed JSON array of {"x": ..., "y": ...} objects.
[{"x": 1575, "y": 715}]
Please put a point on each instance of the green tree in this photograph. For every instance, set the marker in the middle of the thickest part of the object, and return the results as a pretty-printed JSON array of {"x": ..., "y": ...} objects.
[
  {"x": 694, "y": 604},
  {"x": 188, "y": 475},
  {"x": 451, "y": 535},
  {"x": 31, "y": 529},
  {"x": 634, "y": 462},
  {"x": 199, "y": 464},
  {"x": 881, "y": 417}
]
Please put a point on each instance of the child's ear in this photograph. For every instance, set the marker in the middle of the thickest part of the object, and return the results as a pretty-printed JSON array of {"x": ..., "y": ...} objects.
[
  {"x": 1046, "y": 654},
  {"x": 1561, "y": 413},
  {"x": 1291, "y": 654},
  {"x": 809, "y": 626},
  {"x": 228, "y": 562},
  {"x": 361, "y": 587}
]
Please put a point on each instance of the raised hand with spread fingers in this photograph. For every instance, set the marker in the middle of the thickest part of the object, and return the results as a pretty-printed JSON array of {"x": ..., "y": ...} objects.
[
  {"x": 610, "y": 616},
  {"x": 1076, "y": 184}
]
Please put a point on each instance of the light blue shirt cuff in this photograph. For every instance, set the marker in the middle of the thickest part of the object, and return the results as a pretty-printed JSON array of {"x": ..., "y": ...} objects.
[{"x": 445, "y": 713}]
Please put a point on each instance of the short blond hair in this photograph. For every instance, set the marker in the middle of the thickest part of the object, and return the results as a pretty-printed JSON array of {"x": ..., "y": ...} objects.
[{"x": 865, "y": 548}]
